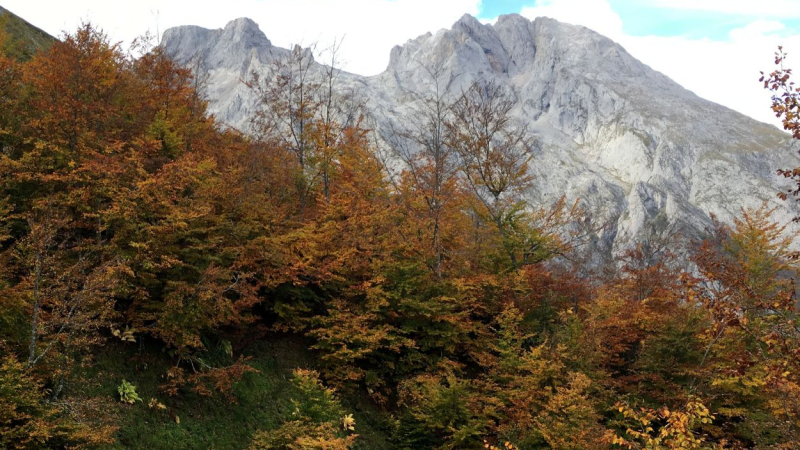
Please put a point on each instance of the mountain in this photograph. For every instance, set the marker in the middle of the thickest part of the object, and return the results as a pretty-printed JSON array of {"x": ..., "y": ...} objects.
[
  {"x": 644, "y": 155},
  {"x": 25, "y": 39}
]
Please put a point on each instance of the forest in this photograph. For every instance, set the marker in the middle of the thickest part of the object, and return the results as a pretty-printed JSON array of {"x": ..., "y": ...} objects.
[{"x": 169, "y": 282}]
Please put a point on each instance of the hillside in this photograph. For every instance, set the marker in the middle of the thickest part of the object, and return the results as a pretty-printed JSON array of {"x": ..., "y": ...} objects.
[{"x": 25, "y": 39}]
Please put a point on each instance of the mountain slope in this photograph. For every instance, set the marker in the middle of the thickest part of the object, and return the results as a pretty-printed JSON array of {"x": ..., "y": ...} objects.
[
  {"x": 644, "y": 155},
  {"x": 25, "y": 39}
]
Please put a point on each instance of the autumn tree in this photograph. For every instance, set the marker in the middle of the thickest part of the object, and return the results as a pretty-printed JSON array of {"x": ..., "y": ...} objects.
[
  {"x": 28, "y": 421},
  {"x": 666, "y": 429},
  {"x": 302, "y": 110},
  {"x": 786, "y": 106},
  {"x": 405, "y": 317},
  {"x": 431, "y": 174},
  {"x": 747, "y": 286},
  {"x": 442, "y": 410},
  {"x": 54, "y": 261},
  {"x": 494, "y": 153},
  {"x": 540, "y": 399},
  {"x": 340, "y": 110},
  {"x": 117, "y": 212},
  {"x": 10, "y": 88}
]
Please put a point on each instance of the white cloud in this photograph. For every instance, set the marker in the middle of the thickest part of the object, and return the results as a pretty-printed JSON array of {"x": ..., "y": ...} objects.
[
  {"x": 370, "y": 27},
  {"x": 724, "y": 72},
  {"x": 772, "y": 8},
  {"x": 756, "y": 28},
  {"x": 595, "y": 14}
]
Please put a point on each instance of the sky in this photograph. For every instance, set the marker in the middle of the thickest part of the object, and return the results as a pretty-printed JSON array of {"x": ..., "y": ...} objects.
[{"x": 714, "y": 48}]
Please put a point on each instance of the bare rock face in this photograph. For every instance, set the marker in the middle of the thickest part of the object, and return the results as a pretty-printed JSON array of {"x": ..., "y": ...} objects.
[{"x": 641, "y": 153}]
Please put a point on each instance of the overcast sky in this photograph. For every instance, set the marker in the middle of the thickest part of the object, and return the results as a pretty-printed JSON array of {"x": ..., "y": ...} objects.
[{"x": 715, "y": 48}]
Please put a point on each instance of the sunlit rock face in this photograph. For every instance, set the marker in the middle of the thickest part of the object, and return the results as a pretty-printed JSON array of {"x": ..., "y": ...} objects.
[{"x": 642, "y": 154}]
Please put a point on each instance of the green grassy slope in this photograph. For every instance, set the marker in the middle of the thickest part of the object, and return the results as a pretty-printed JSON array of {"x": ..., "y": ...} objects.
[
  {"x": 263, "y": 400},
  {"x": 25, "y": 39}
]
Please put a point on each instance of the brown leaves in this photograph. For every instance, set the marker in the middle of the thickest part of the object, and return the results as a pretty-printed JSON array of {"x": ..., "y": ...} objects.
[
  {"x": 494, "y": 151},
  {"x": 748, "y": 290},
  {"x": 664, "y": 429},
  {"x": 207, "y": 380},
  {"x": 786, "y": 106}
]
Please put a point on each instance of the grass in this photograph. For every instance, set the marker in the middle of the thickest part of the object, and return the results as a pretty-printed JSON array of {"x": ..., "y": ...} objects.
[{"x": 263, "y": 400}]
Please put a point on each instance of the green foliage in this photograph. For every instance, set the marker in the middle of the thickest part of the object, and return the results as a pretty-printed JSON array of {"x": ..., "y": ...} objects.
[
  {"x": 127, "y": 393},
  {"x": 440, "y": 413},
  {"x": 318, "y": 421},
  {"x": 301, "y": 435},
  {"x": 162, "y": 131},
  {"x": 263, "y": 399},
  {"x": 536, "y": 399},
  {"x": 313, "y": 400},
  {"x": 393, "y": 326}
]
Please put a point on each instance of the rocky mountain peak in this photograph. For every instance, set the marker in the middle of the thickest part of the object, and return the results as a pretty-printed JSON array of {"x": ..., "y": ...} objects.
[
  {"x": 515, "y": 46},
  {"x": 467, "y": 21},
  {"x": 245, "y": 32},
  {"x": 234, "y": 46},
  {"x": 642, "y": 154}
]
